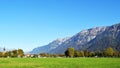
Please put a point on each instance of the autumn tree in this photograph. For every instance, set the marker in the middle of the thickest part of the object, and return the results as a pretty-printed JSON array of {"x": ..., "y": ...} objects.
[{"x": 109, "y": 51}]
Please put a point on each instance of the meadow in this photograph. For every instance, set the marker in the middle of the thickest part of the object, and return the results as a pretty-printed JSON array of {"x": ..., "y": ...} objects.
[{"x": 59, "y": 62}]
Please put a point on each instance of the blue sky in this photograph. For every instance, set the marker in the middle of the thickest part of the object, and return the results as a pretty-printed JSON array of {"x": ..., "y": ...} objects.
[{"x": 28, "y": 24}]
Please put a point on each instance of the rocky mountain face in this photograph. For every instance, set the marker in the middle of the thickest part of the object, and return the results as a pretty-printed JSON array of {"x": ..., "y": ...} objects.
[
  {"x": 109, "y": 38},
  {"x": 94, "y": 39},
  {"x": 79, "y": 40},
  {"x": 49, "y": 47}
]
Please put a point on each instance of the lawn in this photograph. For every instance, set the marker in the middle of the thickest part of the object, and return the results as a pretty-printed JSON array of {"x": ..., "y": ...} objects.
[{"x": 59, "y": 62}]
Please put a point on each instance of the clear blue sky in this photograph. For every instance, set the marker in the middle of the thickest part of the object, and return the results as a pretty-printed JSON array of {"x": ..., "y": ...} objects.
[{"x": 28, "y": 24}]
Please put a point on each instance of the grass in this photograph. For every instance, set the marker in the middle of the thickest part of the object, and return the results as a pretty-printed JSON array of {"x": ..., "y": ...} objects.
[{"x": 59, "y": 62}]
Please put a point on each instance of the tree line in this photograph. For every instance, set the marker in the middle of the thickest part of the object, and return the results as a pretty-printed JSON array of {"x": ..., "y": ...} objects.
[
  {"x": 13, "y": 53},
  {"x": 109, "y": 52},
  {"x": 71, "y": 52}
]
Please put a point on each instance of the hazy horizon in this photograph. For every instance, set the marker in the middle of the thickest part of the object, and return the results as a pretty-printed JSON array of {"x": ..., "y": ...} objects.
[{"x": 27, "y": 24}]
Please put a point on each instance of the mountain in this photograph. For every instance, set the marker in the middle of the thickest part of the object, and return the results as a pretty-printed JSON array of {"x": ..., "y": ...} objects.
[
  {"x": 79, "y": 40},
  {"x": 49, "y": 47},
  {"x": 94, "y": 39},
  {"x": 109, "y": 38}
]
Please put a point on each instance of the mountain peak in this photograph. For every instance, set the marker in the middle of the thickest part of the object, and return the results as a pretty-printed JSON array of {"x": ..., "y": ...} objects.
[{"x": 62, "y": 39}]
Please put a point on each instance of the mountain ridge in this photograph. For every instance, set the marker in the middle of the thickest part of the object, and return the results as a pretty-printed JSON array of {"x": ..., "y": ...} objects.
[
  {"x": 78, "y": 40},
  {"x": 93, "y": 39},
  {"x": 50, "y": 46}
]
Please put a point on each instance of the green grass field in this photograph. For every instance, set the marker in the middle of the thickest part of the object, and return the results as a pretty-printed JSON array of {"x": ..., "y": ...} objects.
[{"x": 59, "y": 62}]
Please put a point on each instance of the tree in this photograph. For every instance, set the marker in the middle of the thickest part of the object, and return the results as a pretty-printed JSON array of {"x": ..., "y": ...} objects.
[
  {"x": 1, "y": 54},
  {"x": 109, "y": 51},
  {"x": 66, "y": 53},
  {"x": 91, "y": 54},
  {"x": 116, "y": 54},
  {"x": 14, "y": 53},
  {"x": 100, "y": 54},
  {"x": 20, "y": 52},
  {"x": 9, "y": 53},
  {"x": 81, "y": 53},
  {"x": 69, "y": 52},
  {"x": 86, "y": 53},
  {"x": 119, "y": 54},
  {"x": 76, "y": 53},
  {"x": 5, "y": 54},
  {"x": 43, "y": 54}
]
